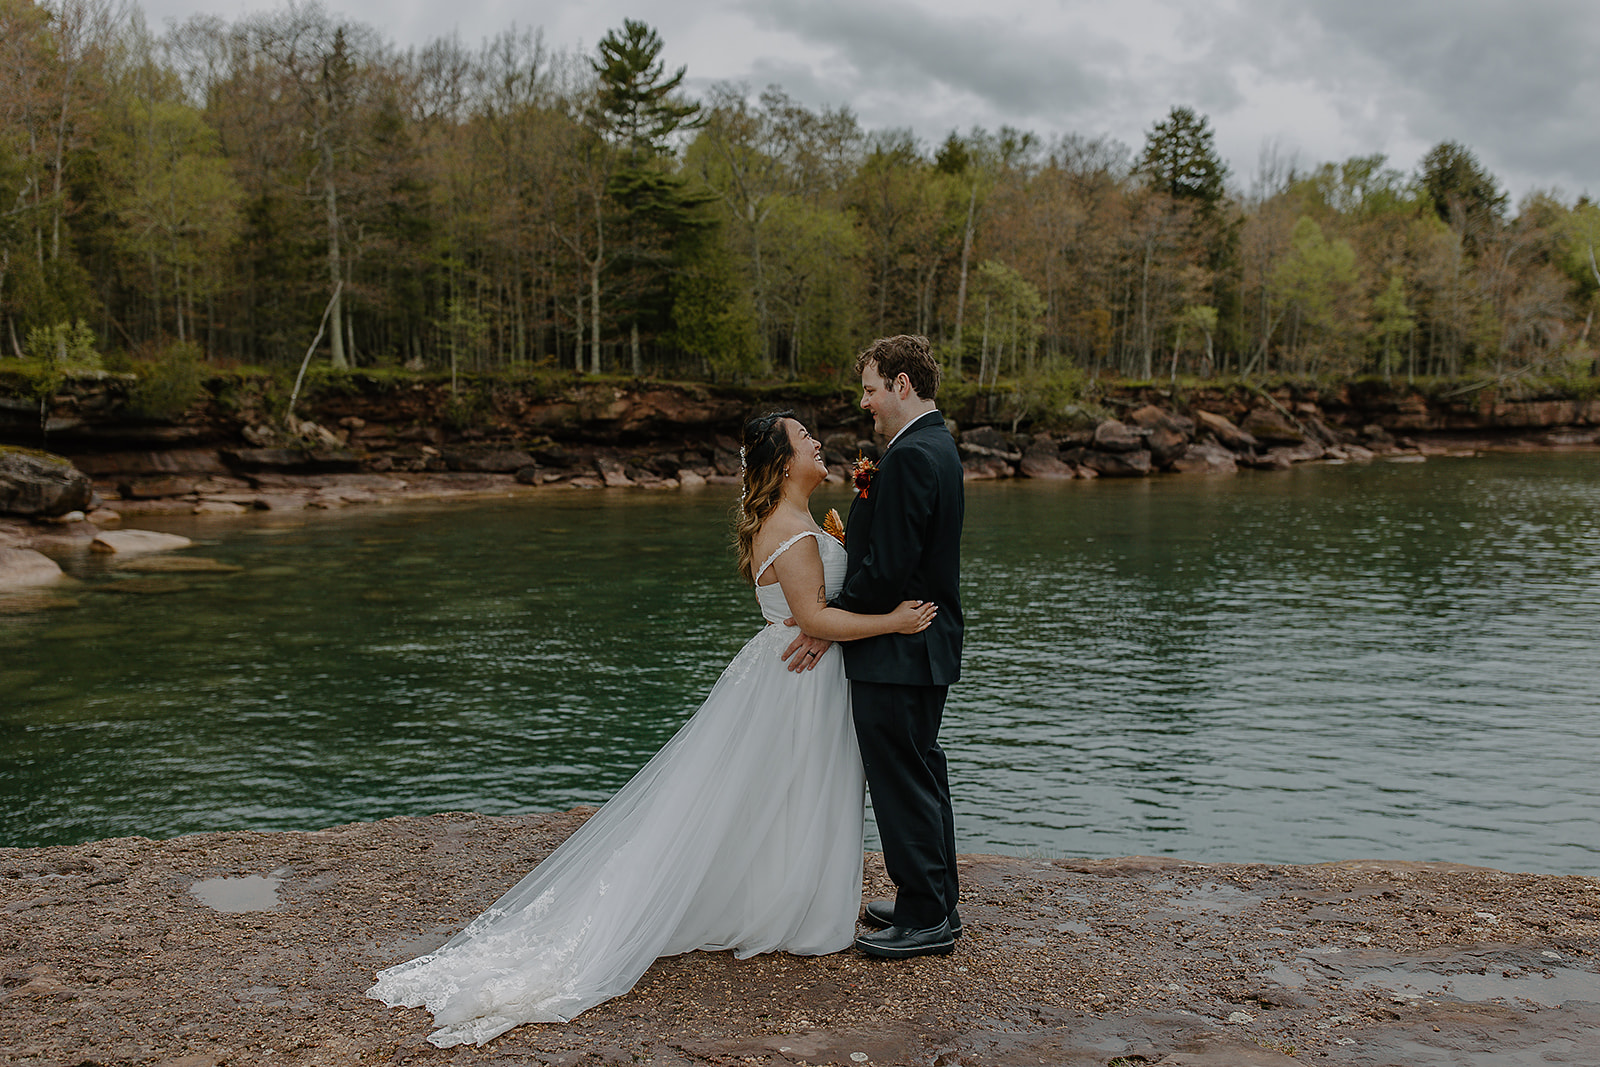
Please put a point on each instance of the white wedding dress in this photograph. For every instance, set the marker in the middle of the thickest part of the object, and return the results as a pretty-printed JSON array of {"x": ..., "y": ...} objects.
[{"x": 743, "y": 833}]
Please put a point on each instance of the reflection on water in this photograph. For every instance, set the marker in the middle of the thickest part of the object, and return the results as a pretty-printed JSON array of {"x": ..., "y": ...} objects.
[{"x": 1394, "y": 661}]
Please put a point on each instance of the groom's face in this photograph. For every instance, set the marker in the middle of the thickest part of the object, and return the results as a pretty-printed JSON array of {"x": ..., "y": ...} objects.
[{"x": 883, "y": 400}]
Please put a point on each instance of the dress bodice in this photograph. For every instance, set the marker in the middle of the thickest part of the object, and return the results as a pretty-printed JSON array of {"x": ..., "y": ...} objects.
[{"x": 774, "y": 605}]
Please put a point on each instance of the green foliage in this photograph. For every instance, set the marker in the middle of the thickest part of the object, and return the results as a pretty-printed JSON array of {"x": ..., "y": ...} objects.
[
  {"x": 168, "y": 384},
  {"x": 1579, "y": 240},
  {"x": 1318, "y": 283},
  {"x": 1010, "y": 312},
  {"x": 68, "y": 345},
  {"x": 469, "y": 409},
  {"x": 487, "y": 208},
  {"x": 1361, "y": 187},
  {"x": 1054, "y": 398},
  {"x": 812, "y": 284},
  {"x": 1463, "y": 194},
  {"x": 636, "y": 100},
  {"x": 713, "y": 318},
  {"x": 1199, "y": 317},
  {"x": 1180, "y": 158},
  {"x": 1392, "y": 319}
]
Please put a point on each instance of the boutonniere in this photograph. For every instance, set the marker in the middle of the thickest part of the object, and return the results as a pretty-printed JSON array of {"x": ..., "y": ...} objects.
[
  {"x": 863, "y": 470},
  {"x": 833, "y": 526}
]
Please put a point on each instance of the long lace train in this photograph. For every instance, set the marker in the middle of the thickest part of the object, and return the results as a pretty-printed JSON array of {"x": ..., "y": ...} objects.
[{"x": 743, "y": 833}]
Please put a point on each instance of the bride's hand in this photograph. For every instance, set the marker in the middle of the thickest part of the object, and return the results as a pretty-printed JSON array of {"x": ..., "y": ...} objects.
[{"x": 913, "y": 616}]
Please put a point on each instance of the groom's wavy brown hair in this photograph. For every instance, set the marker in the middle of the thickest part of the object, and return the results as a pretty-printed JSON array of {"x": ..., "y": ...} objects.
[
  {"x": 909, "y": 354},
  {"x": 764, "y": 453}
]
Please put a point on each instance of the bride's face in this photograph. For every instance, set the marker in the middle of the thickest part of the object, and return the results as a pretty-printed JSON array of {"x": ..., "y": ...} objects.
[{"x": 807, "y": 461}]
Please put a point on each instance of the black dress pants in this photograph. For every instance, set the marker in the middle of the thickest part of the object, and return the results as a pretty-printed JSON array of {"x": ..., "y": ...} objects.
[{"x": 898, "y": 730}]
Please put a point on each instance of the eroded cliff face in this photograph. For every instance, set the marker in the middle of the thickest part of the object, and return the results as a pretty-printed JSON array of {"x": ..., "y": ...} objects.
[
  {"x": 236, "y": 443},
  {"x": 101, "y": 412},
  {"x": 98, "y": 413}
]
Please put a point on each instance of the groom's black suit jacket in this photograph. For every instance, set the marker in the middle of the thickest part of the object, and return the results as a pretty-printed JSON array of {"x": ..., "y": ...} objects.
[{"x": 903, "y": 538}]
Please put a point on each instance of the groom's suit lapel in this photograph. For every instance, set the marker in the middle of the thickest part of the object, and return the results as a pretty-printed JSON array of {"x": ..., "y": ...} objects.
[{"x": 858, "y": 522}]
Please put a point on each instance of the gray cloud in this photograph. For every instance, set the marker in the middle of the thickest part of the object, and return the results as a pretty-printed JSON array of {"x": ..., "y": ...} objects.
[
  {"x": 1516, "y": 83},
  {"x": 981, "y": 68}
]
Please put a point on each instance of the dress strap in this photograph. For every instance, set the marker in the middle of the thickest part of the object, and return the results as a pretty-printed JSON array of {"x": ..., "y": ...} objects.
[{"x": 781, "y": 549}]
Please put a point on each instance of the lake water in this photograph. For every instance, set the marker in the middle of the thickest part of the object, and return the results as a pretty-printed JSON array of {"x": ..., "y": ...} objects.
[{"x": 1394, "y": 661}]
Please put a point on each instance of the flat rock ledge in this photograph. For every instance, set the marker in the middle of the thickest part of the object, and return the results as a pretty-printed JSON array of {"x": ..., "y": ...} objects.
[{"x": 111, "y": 956}]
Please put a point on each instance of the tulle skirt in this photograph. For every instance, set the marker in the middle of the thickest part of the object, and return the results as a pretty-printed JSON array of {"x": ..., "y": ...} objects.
[{"x": 743, "y": 833}]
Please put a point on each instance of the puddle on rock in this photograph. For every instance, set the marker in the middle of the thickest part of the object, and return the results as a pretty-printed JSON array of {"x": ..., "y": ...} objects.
[
  {"x": 1471, "y": 978},
  {"x": 1548, "y": 987},
  {"x": 253, "y": 892},
  {"x": 1215, "y": 897}
]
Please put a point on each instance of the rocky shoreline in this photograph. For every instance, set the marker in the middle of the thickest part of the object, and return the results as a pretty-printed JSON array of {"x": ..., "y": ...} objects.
[
  {"x": 229, "y": 456},
  {"x": 370, "y": 445},
  {"x": 234, "y": 948}
]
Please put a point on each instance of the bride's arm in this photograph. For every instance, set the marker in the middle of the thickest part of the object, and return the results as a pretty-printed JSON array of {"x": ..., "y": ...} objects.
[{"x": 799, "y": 571}]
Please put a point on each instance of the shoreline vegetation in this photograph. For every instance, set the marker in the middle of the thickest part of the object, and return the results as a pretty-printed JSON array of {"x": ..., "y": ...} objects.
[
  {"x": 291, "y": 189},
  {"x": 236, "y": 947}
]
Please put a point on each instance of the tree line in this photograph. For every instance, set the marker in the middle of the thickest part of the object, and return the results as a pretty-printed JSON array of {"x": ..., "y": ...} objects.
[{"x": 232, "y": 190}]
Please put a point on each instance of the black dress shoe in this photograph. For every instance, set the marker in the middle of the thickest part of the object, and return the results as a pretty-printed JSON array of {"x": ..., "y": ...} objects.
[
  {"x": 896, "y": 943},
  {"x": 880, "y": 913}
]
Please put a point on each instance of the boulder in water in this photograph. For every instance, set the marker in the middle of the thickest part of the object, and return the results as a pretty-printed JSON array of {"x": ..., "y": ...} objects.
[
  {"x": 1111, "y": 464},
  {"x": 1043, "y": 460},
  {"x": 24, "y": 568},
  {"x": 219, "y": 507},
  {"x": 136, "y": 542},
  {"x": 39, "y": 483},
  {"x": 613, "y": 471},
  {"x": 1167, "y": 446},
  {"x": 1206, "y": 457}
]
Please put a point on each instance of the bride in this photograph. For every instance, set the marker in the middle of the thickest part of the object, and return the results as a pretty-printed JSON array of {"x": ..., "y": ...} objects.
[{"x": 743, "y": 833}]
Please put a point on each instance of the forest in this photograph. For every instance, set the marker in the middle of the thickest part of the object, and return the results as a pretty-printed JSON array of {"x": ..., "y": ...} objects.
[{"x": 234, "y": 192}]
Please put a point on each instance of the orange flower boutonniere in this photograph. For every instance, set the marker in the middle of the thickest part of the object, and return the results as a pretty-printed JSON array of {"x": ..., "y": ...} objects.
[
  {"x": 833, "y": 526},
  {"x": 863, "y": 470}
]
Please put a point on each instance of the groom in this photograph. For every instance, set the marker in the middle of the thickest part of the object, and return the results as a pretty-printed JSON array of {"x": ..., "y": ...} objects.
[{"x": 903, "y": 539}]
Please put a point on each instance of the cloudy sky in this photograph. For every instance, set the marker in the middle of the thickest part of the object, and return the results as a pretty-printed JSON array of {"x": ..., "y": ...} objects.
[{"x": 1517, "y": 81}]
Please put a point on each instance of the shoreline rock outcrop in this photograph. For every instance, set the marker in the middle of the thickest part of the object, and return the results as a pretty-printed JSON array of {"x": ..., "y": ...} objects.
[
  {"x": 39, "y": 483},
  {"x": 237, "y": 947},
  {"x": 376, "y": 441}
]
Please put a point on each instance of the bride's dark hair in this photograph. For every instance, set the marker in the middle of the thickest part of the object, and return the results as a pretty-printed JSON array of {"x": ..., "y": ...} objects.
[{"x": 764, "y": 453}]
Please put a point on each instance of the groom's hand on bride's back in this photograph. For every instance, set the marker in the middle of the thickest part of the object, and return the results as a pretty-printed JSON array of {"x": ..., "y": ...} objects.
[{"x": 804, "y": 651}]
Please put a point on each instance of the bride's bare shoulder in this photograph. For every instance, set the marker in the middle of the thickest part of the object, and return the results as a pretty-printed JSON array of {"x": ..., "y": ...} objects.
[{"x": 779, "y": 528}]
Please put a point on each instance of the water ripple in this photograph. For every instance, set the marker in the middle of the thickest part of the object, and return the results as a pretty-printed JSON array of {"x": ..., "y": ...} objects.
[{"x": 1392, "y": 661}]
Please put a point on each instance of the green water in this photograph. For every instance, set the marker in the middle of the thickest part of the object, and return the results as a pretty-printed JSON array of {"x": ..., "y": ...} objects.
[{"x": 1392, "y": 661}]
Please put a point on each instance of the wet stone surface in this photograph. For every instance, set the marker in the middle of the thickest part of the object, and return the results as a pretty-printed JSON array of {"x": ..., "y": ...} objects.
[{"x": 233, "y": 948}]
